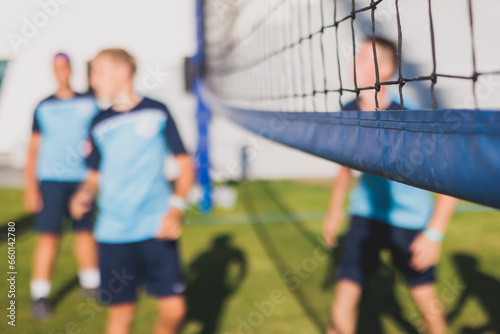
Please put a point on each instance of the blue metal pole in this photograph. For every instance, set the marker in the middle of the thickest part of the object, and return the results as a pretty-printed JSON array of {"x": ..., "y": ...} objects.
[{"x": 203, "y": 117}]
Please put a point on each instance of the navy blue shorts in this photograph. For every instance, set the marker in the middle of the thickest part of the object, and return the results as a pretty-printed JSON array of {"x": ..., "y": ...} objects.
[
  {"x": 362, "y": 245},
  {"x": 55, "y": 197},
  {"x": 125, "y": 267}
]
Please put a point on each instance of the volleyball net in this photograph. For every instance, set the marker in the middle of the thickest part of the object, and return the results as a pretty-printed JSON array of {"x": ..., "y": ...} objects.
[{"x": 286, "y": 69}]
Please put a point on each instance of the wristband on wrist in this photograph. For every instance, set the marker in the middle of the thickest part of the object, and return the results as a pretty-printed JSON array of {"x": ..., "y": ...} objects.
[
  {"x": 433, "y": 235},
  {"x": 178, "y": 202}
]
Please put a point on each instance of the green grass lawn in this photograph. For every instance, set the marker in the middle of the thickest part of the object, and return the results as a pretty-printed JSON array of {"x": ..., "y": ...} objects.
[{"x": 261, "y": 268}]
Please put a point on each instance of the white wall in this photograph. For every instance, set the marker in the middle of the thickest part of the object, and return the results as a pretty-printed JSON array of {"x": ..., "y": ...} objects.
[
  {"x": 160, "y": 33},
  {"x": 156, "y": 32}
]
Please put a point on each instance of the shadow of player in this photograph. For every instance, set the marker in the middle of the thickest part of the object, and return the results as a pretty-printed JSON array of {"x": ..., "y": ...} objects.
[
  {"x": 23, "y": 225},
  {"x": 329, "y": 279},
  {"x": 484, "y": 288},
  {"x": 211, "y": 279},
  {"x": 64, "y": 291},
  {"x": 378, "y": 298}
]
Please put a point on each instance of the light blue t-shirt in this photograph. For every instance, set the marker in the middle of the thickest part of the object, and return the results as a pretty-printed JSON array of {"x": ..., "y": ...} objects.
[
  {"x": 391, "y": 202},
  {"x": 63, "y": 125},
  {"x": 128, "y": 150}
]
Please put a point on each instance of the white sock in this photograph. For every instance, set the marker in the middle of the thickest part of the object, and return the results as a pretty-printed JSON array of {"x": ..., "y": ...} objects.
[
  {"x": 40, "y": 288},
  {"x": 89, "y": 278}
]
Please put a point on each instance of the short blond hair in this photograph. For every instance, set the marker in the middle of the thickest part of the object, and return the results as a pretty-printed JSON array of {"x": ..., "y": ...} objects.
[{"x": 120, "y": 55}]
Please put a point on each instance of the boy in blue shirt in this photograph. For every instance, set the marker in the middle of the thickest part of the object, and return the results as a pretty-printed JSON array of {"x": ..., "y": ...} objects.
[
  {"x": 54, "y": 168},
  {"x": 385, "y": 214},
  {"x": 140, "y": 215}
]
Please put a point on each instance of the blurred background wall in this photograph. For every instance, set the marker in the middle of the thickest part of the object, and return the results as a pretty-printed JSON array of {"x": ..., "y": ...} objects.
[{"x": 161, "y": 33}]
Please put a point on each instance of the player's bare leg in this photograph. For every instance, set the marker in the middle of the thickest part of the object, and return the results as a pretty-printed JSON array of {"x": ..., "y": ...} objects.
[
  {"x": 426, "y": 298},
  {"x": 120, "y": 318},
  {"x": 344, "y": 312},
  {"x": 85, "y": 249},
  {"x": 44, "y": 256},
  {"x": 171, "y": 311},
  {"x": 43, "y": 264}
]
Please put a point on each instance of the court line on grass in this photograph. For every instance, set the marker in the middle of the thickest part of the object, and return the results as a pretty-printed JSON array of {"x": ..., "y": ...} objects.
[
  {"x": 288, "y": 213},
  {"x": 278, "y": 217},
  {"x": 247, "y": 219},
  {"x": 273, "y": 217}
]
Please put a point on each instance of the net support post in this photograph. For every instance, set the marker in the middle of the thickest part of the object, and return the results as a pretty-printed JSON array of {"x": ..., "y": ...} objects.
[{"x": 202, "y": 157}]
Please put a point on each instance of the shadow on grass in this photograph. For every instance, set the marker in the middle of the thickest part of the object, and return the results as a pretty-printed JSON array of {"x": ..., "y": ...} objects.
[
  {"x": 287, "y": 212},
  {"x": 481, "y": 286},
  {"x": 60, "y": 294},
  {"x": 333, "y": 264},
  {"x": 23, "y": 225},
  {"x": 265, "y": 239},
  {"x": 379, "y": 299},
  {"x": 211, "y": 279}
]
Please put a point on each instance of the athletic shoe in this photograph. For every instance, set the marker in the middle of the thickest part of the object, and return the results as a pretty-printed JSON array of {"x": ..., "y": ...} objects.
[
  {"x": 90, "y": 293},
  {"x": 41, "y": 308}
]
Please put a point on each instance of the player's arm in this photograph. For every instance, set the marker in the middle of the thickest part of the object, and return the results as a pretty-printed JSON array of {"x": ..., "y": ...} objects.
[
  {"x": 335, "y": 214},
  {"x": 186, "y": 177},
  {"x": 172, "y": 222},
  {"x": 83, "y": 198},
  {"x": 32, "y": 197},
  {"x": 81, "y": 201},
  {"x": 426, "y": 248},
  {"x": 172, "y": 226}
]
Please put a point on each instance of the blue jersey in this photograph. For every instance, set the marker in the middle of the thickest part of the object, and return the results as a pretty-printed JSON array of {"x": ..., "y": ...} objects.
[
  {"x": 391, "y": 202},
  {"x": 128, "y": 150},
  {"x": 63, "y": 125}
]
